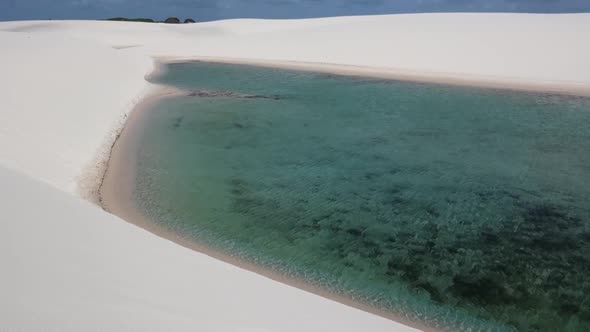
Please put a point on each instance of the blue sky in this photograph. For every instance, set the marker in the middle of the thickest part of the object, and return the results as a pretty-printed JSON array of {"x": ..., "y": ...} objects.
[{"x": 203, "y": 10}]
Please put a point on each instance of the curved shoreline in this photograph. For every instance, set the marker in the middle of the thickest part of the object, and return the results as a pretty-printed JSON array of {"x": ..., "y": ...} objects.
[{"x": 115, "y": 195}]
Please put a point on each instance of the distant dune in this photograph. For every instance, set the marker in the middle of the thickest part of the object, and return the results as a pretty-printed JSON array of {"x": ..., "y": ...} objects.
[{"x": 67, "y": 86}]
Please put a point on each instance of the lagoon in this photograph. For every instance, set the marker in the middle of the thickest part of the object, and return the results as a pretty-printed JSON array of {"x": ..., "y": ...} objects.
[{"x": 461, "y": 208}]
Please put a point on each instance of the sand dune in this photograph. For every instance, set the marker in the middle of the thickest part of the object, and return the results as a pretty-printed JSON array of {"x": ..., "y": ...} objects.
[{"x": 66, "y": 87}]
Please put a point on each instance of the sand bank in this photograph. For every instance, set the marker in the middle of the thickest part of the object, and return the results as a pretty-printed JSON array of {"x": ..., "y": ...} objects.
[{"x": 65, "y": 92}]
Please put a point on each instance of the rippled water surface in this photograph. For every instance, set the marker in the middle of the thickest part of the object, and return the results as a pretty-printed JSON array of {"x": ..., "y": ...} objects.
[{"x": 463, "y": 208}]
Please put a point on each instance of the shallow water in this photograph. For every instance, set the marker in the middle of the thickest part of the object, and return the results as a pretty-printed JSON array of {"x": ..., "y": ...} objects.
[{"x": 467, "y": 209}]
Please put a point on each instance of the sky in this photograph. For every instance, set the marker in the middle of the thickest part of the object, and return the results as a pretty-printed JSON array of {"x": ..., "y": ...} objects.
[{"x": 207, "y": 10}]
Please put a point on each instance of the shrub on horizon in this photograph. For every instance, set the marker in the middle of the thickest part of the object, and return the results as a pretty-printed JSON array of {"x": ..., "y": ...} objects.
[{"x": 172, "y": 20}]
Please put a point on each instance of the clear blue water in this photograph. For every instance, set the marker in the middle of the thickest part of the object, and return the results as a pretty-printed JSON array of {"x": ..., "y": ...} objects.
[{"x": 466, "y": 209}]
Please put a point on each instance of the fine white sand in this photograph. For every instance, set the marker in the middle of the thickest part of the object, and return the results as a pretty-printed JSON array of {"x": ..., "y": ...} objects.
[{"x": 65, "y": 90}]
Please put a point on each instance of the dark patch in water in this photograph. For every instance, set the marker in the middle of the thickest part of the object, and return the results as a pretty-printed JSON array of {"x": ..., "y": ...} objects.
[
  {"x": 355, "y": 231},
  {"x": 493, "y": 267},
  {"x": 228, "y": 94},
  {"x": 178, "y": 122}
]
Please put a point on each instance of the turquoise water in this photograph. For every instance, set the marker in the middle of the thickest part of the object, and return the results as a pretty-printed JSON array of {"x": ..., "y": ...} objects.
[{"x": 467, "y": 209}]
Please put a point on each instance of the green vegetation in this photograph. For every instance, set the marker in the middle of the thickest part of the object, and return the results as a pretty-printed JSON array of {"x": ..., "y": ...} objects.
[{"x": 172, "y": 20}]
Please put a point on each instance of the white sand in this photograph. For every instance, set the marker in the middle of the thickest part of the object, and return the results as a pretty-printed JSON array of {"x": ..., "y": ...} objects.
[
  {"x": 65, "y": 88},
  {"x": 67, "y": 265}
]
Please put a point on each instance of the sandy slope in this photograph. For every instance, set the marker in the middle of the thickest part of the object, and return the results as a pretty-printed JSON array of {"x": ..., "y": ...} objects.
[
  {"x": 65, "y": 88},
  {"x": 83, "y": 269}
]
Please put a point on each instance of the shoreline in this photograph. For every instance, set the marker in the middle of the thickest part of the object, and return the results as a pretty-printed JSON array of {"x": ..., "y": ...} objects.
[
  {"x": 115, "y": 196},
  {"x": 566, "y": 88},
  {"x": 115, "y": 192}
]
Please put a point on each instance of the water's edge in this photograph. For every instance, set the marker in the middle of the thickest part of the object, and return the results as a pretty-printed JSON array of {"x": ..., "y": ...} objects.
[
  {"x": 566, "y": 88},
  {"x": 116, "y": 197},
  {"x": 116, "y": 192}
]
